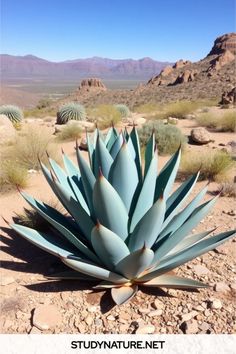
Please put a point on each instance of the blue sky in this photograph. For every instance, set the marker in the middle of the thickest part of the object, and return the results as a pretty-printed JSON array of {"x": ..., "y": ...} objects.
[{"x": 164, "y": 30}]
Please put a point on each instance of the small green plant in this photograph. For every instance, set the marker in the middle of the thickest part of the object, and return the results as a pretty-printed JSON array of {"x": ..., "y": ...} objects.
[
  {"x": 14, "y": 113},
  {"x": 123, "y": 109},
  {"x": 105, "y": 115},
  {"x": 168, "y": 137},
  {"x": 211, "y": 163},
  {"x": 70, "y": 132},
  {"x": 70, "y": 111},
  {"x": 12, "y": 175},
  {"x": 225, "y": 122},
  {"x": 125, "y": 229},
  {"x": 30, "y": 146}
]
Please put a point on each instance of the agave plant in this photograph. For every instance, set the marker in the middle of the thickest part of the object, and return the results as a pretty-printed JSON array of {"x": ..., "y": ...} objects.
[
  {"x": 70, "y": 111},
  {"x": 124, "y": 228},
  {"x": 14, "y": 113}
]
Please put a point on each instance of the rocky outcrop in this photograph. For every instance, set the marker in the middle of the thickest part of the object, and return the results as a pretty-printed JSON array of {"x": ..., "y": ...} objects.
[
  {"x": 87, "y": 84},
  {"x": 181, "y": 63},
  {"x": 223, "y": 59},
  {"x": 200, "y": 136},
  {"x": 223, "y": 43},
  {"x": 186, "y": 76},
  {"x": 229, "y": 97}
]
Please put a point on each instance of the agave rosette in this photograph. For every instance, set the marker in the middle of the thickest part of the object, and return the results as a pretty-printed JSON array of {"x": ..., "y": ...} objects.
[{"x": 123, "y": 227}]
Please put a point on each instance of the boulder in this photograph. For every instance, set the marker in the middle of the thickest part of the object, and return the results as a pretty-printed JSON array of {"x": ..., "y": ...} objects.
[
  {"x": 223, "y": 59},
  {"x": 7, "y": 130},
  {"x": 186, "y": 76},
  {"x": 225, "y": 42},
  {"x": 180, "y": 63},
  {"x": 229, "y": 97},
  {"x": 200, "y": 136}
]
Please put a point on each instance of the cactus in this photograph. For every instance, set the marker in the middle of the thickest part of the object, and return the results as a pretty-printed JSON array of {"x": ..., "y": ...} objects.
[
  {"x": 70, "y": 111},
  {"x": 123, "y": 109},
  {"x": 14, "y": 113}
]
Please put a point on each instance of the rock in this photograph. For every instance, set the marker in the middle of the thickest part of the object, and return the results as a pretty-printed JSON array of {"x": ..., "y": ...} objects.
[
  {"x": 166, "y": 71},
  {"x": 180, "y": 63},
  {"x": 189, "y": 327},
  {"x": 83, "y": 144},
  {"x": 200, "y": 270},
  {"x": 83, "y": 124},
  {"x": 111, "y": 318},
  {"x": 158, "y": 304},
  {"x": 200, "y": 135},
  {"x": 225, "y": 42},
  {"x": 190, "y": 116},
  {"x": 221, "y": 287},
  {"x": 189, "y": 316},
  {"x": 186, "y": 76},
  {"x": 93, "y": 309},
  {"x": 7, "y": 130},
  {"x": 228, "y": 97},
  {"x": 35, "y": 330},
  {"x": 223, "y": 59},
  {"x": 89, "y": 320},
  {"x": 87, "y": 84},
  {"x": 204, "y": 326},
  {"x": 46, "y": 317},
  {"x": 155, "y": 313},
  {"x": 215, "y": 304},
  {"x": 6, "y": 280},
  {"x": 145, "y": 329},
  {"x": 233, "y": 286},
  {"x": 32, "y": 171}
]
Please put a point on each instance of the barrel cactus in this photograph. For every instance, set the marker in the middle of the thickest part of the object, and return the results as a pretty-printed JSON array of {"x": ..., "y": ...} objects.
[
  {"x": 124, "y": 229},
  {"x": 123, "y": 109},
  {"x": 70, "y": 111},
  {"x": 14, "y": 113}
]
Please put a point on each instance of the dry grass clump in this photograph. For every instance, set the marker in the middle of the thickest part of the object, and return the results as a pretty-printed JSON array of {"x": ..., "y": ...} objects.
[
  {"x": 214, "y": 165},
  {"x": 104, "y": 115},
  {"x": 228, "y": 189},
  {"x": 225, "y": 122},
  {"x": 180, "y": 109},
  {"x": 40, "y": 112},
  {"x": 147, "y": 108},
  {"x": 12, "y": 175},
  {"x": 70, "y": 132},
  {"x": 168, "y": 137},
  {"x": 31, "y": 144}
]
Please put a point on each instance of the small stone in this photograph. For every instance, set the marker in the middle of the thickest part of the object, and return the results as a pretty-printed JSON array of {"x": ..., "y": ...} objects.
[
  {"x": 233, "y": 286},
  {"x": 93, "y": 309},
  {"x": 221, "y": 287},
  {"x": 6, "y": 280},
  {"x": 89, "y": 320},
  {"x": 204, "y": 326},
  {"x": 81, "y": 328},
  {"x": 143, "y": 310},
  {"x": 200, "y": 270},
  {"x": 207, "y": 313},
  {"x": 35, "y": 330},
  {"x": 111, "y": 318},
  {"x": 157, "y": 304},
  {"x": 189, "y": 327},
  {"x": 155, "y": 313},
  {"x": 124, "y": 316},
  {"x": 98, "y": 322},
  {"x": 124, "y": 328},
  {"x": 189, "y": 316},
  {"x": 145, "y": 329},
  {"x": 32, "y": 171},
  {"x": 46, "y": 317},
  {"x": 215, "y": 304},
  {"x": 199, "y": 308}
]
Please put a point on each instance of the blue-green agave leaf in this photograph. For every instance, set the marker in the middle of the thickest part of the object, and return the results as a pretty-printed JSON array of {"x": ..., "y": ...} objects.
[
  {"x": 173, "y": 281},
  {"x": 125, "y": 184},
  {"x": 102, "y": 159},
  {"x": 94, "y": 271},
  {"x": 148, "y": 227},
  {"x": 181, "y": 217},
  {"x": 175, "y": 238},
  {"x": 166, "y": 177},
  {"x": 111, "y": 137},
  {"x": 123, "y": 294},
  {"x": 135, "y": 140},
  {"x": 117, "y": 146},
  {"x": 71, "y": 168},
  {"x": 149, "y": 153},
  {"x": 135, "y": 263},
  {"x": 71, "y": 275},
  {"x": 109, "y": 247},
  {"x": 90, "y": 149},
  {"x": 48, "y": 242},
  {"x": 109, "y": 208},
  {"x": 146, "y": 196}
]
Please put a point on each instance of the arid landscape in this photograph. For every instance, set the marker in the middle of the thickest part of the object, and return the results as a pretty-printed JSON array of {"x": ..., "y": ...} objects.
[{"x": 187, "y": 103}]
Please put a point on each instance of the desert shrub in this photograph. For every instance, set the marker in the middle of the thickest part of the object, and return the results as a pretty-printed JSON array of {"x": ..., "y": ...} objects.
[
  {"x": 147, "y": 108},
  {"x": 211, "y": 163},
  {"x": 43, "y": 103},
  {"x": 40, "y": 112},
  {"x": 227, "y": 189},
  {"x": 224, "y": 122},
  {"x": 69, "y": 133},
  {"x": 105, "y": 115},
  {"x": 30, "y": 146},
  {"x": 12, "y": 175},
  {"x": 168, "y": 137},
  {"x": 70, "y": 111},
  {"x": 180, "y": 109},
  {"x": 14, "y": 113},
  {"x": 123, "y": 109}
]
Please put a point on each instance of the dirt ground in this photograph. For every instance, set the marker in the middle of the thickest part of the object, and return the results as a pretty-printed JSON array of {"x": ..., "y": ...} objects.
[{"x": 32, "y": 304}]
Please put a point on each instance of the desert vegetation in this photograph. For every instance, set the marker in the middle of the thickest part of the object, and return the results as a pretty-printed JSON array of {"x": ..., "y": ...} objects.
[
  {"x": 70, "y": 132},
  {"x": 104, "y": 115},
  {"x": 225, "y": 121}
]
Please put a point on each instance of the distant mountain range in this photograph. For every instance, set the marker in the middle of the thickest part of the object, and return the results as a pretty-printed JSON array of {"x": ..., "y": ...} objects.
[{"x": 32, "y": 67}]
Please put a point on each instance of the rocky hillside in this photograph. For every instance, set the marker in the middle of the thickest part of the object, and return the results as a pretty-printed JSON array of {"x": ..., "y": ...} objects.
[{"x": 207, "y": 78}]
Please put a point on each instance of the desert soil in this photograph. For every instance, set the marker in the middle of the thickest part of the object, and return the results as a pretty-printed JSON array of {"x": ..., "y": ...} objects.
[{"x": 32, "y": 304}]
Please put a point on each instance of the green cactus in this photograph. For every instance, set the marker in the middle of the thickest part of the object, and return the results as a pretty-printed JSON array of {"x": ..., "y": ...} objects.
[
  {"x": 70, "y": 111},
  {"x": 14, "y": 113},
  {"x": 124, "y": 229},
  {"x": 123, "y": 109}
]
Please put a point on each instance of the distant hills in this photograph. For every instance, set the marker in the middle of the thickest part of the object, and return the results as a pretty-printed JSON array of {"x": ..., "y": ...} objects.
[{"x": 32, "y": 67}]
